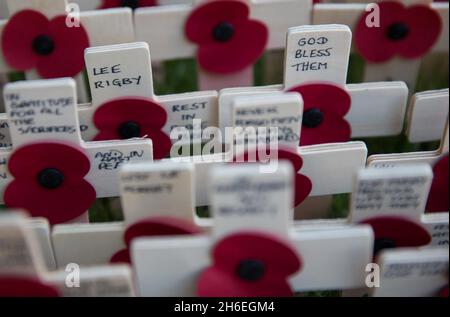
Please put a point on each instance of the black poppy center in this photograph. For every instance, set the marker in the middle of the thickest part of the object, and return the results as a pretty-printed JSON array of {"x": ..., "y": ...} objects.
[
  {"x": 129, "y": 130},
  {"x": 43, "y": 45},
  {"x": 133, "y": 4},
  {"x": 223, "y": 32},
  {"x": 312, "y": 118},
  {"x": 251, "y": 270},
  {"x": 397, "y": 31},
  {"x": 383, "y": 244},
  {"x": 50, "y": 178}
]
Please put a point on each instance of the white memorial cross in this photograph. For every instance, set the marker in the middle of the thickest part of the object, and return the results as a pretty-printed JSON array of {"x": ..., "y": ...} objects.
[
  {"x": 44, "y": 126},
  {"x": 397, "y": 68},
  {"x": 393, "y": 200},
  {"x": 429, "y": 157},
  {"x": 279, "y": 110},
  {"x": 427, "y": 115},
  {"x": 250, "y": 204},
  {"x": 122, "y": 73},
  {"x": 164, "y": 29},
  {"x": 319, "y": 54},
  {"x": 23, "y": 272},
  {"x": 103, "y": 27}
]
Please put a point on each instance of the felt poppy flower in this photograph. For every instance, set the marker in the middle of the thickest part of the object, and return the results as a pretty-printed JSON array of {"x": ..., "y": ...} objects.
[
  {"x": 49, "y": 181},
  {"x": 394, "y": 232},
  {"x": 228, "y": 40},
  {"x": 303, "y": 184},
  {"x": 438, "y": 198},
  {"x": 133, "y": 4},
  {"x": 409, "y": 32},
  {"x": 11, "y": 286},
  {"x": 30, "y": 40},
  {"x": 153, "y": 227},
  {"x": 325, "y": 106},
  {"x": 127, "y": 118},
  {"x": 444, "y": 292},
  {"x": 250, "y": 264}
]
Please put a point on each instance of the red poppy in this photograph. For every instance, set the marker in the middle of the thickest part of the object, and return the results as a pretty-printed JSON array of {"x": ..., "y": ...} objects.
[
  {"x": 133, "y": 4},
  {"x": 251, "y": 264},
  {"x": 127, "y": 118},
  {"x": 30, "y": 41},
  {"x": 325, "y": 106},
  {"x": 438, "y": 198},
  {"x": 393, "y": 232},
  {"x": 156, "y": 226},
  {"x": 25, "y": 287},
  {"x": 228, "y": 40},
  {"x": 406, "y": 31},
  {"x": 303, "y": 184},
  {"x": 49, "y": 181}
]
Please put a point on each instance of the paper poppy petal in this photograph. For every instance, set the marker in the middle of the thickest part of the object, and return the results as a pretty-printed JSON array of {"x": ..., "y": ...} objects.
[
  {"x": 202, "y": 21},
  {"x": 372, "y": 42},
  {"x": 438, "y": 200},
  {"x": 325, "y": 96},
  {"x": 18, "y": 36},
  {"x": 143, "y": 111},
  {"x": 279, "y": 259},
  {"x": 160, "y": 226},
  {"x": 59, "y": 205},
  {"x": 215, "y": 283},
  {"x": 67, "y": 59},
  {"x": 425, "y": 27},
  {"x": 162, "y": 144},
  {"x": 303, "y": 187},
  {"x": 333, "y": 129},
  {"x": 404, "y": 232},
  {"x": 27, "y": 161},
  {"x": 25, "y": 287},
  {"x": 243, "y": 50}
]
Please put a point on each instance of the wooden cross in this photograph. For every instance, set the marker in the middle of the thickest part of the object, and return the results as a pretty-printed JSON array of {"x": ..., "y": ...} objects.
[
  {"x": 102, "y": 27},
  {"x": 44, "y": 112},
  {"x": 121, "y": 72},
  {"x": 86, "y": 5},
  {"x": 3, "y": 9},
  {"x": 174, "y": 265},
  {"x": 22, "y": 260},
  {"x": 413, "y": 273},
  {"x": 164, "y": 29},
  {"x": 320, "y": 53},
  {"x": 396, "y": 68},
  {"x": 393, "y": 201},
  {"x": 427, "y": 116}
]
